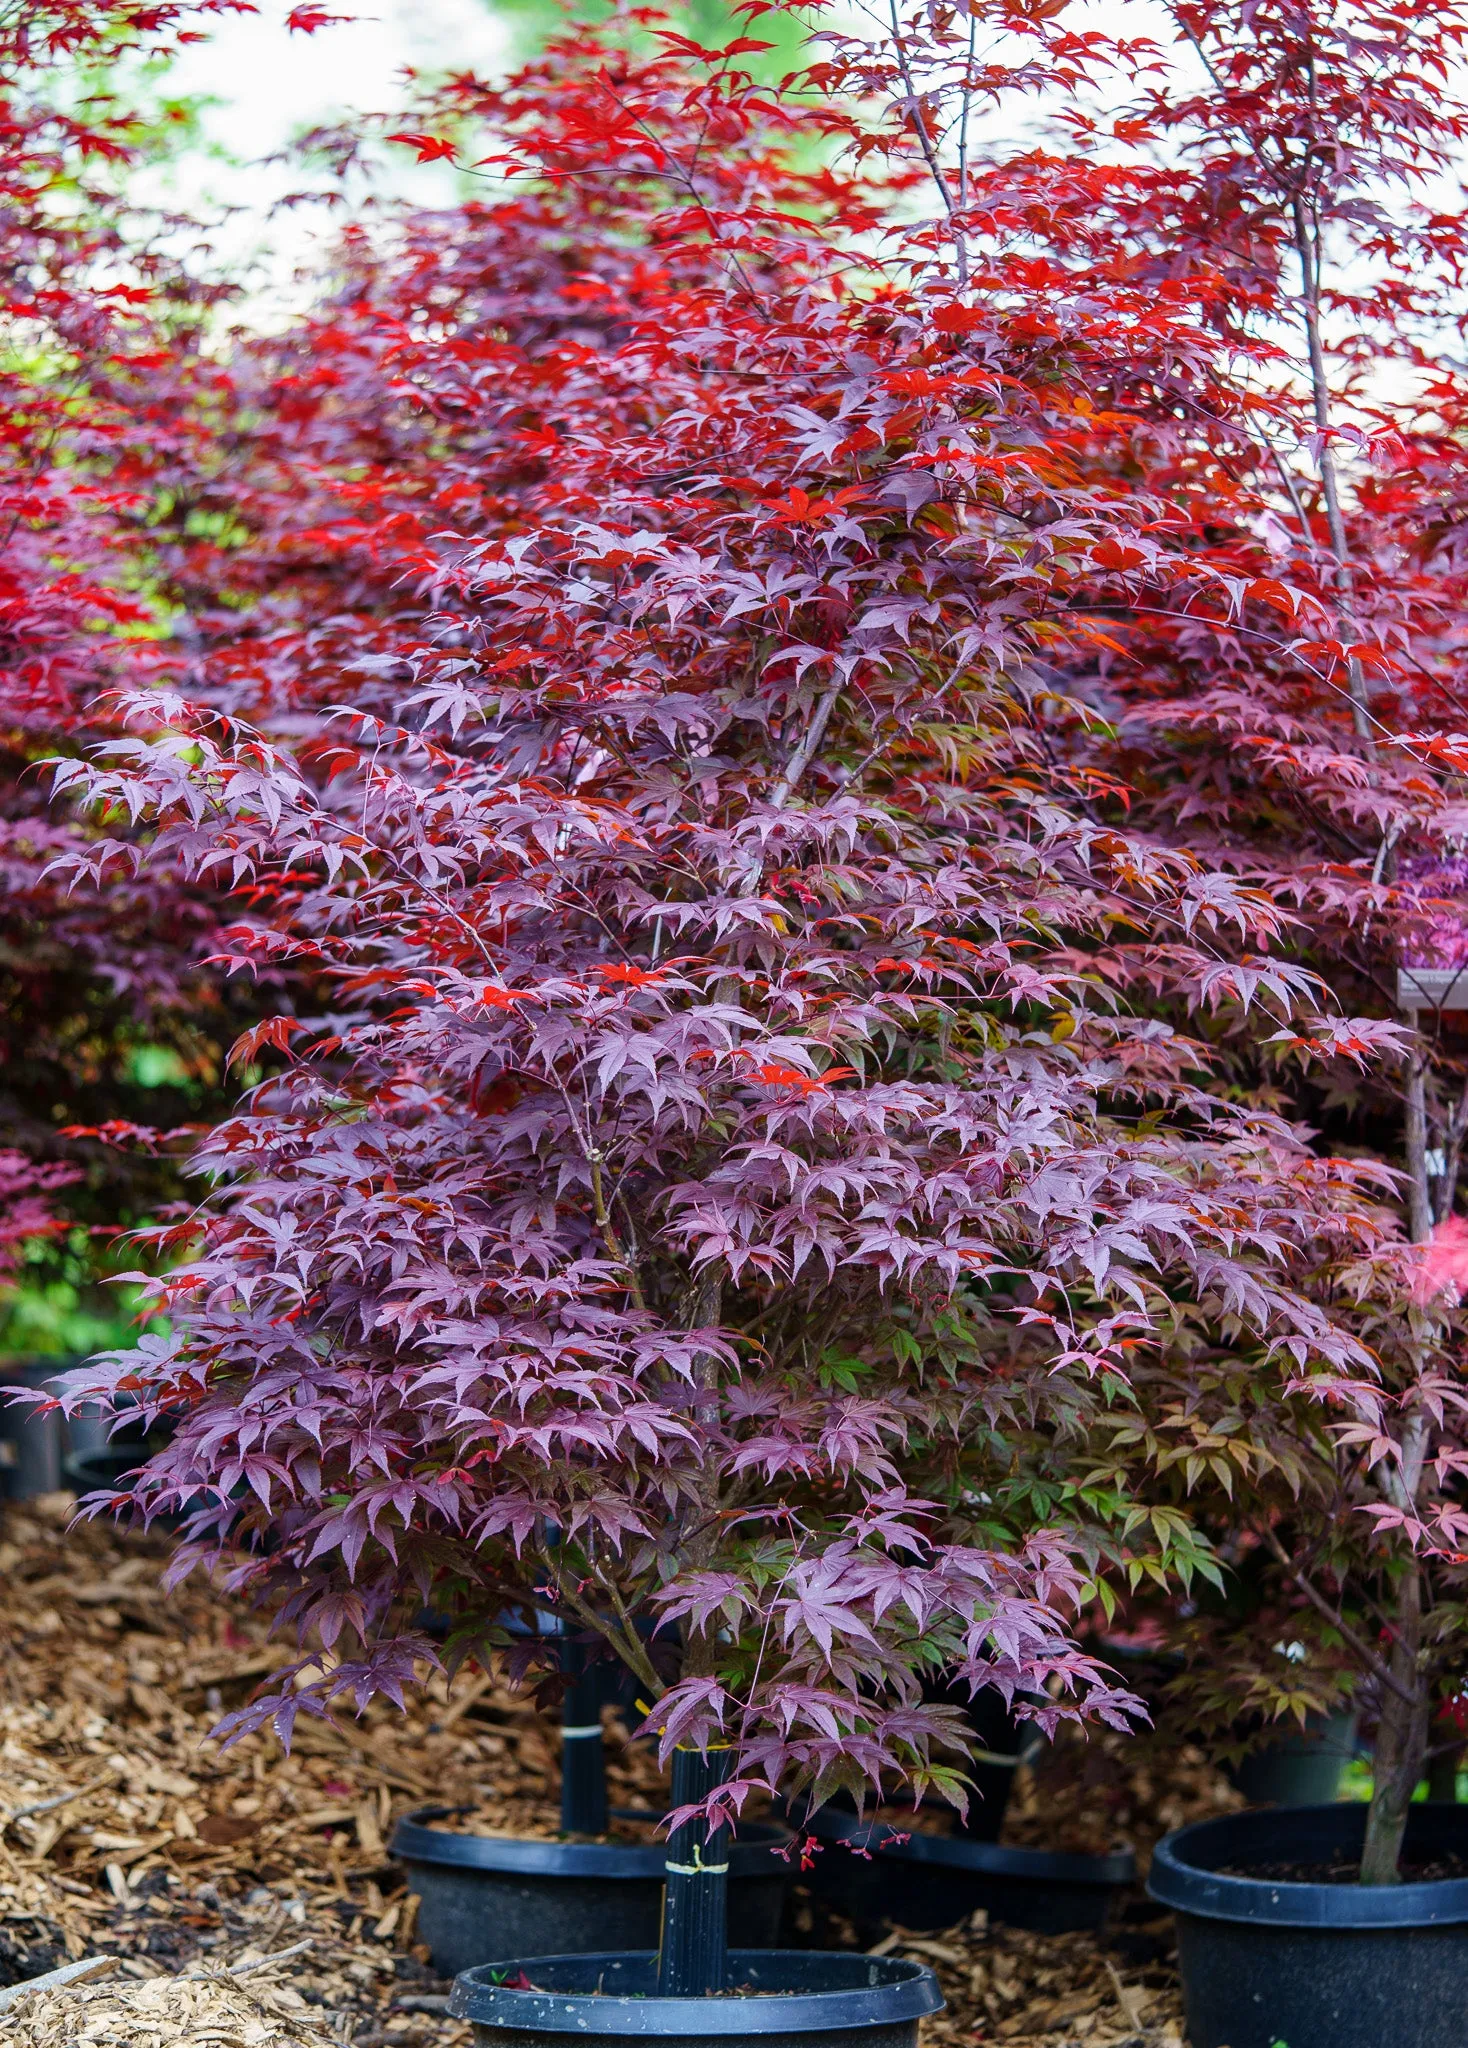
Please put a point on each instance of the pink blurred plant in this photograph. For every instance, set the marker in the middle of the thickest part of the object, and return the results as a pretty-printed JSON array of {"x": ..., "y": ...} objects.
[
  {"x": 1441, "y": 1265},
  {"x": 25, "y": 1212}
]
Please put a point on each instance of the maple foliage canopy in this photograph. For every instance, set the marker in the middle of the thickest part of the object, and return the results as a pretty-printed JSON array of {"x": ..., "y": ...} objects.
[
  {"x": 724, "y": 1173},
  {"x": 756, "y": 700}
]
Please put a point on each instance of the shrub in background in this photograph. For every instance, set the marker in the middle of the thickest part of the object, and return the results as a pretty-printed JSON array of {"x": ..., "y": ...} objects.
[{"x": 107, "y": 1010}]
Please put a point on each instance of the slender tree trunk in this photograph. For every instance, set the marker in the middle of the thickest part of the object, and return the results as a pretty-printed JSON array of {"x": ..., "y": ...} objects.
[
  {"x": 693, "y": 1949},
  {"x": 1419, "y": 1199},
  {"x": 1307, "y": 247},
  {"x": 1402, "y": 1733},
  {"x": 1401, "y": 1741}
]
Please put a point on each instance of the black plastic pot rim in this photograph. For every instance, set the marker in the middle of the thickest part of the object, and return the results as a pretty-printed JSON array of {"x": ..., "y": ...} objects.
[
  {"x": 33, "y": 1370},
  {"x": 901, "y": 1991},
  {"x": 753, "y": 1852},
  {"x": 1182, "y": 1878},
  {"x": 105, "y": 1467},
  {"x": 957, "y": 1852}
]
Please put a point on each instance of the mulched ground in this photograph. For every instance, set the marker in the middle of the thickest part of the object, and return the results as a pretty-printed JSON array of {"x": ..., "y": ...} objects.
[
  {"x": 253, "y": 2006},
  {"x": 127, "y": 1832}
]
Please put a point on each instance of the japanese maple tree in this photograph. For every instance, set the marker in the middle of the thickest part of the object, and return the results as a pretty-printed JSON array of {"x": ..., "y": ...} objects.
[
  {"x": 1285, "y": 178},
  {"x": 734, "y": 1171}
]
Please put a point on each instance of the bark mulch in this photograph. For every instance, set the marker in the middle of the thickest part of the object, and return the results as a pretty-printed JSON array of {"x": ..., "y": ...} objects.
[
  {"x": 1045, "y": 1990},
  {"x": 125, "y": 1831},
  {"x": 248, "y": 2007}
]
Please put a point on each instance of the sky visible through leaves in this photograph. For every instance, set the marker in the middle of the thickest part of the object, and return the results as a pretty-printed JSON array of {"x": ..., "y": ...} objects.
[{"x": 251, "y": 108}]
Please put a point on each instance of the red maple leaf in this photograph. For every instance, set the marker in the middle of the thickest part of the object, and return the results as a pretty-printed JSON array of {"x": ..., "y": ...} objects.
[{"x": 429, "y": 147}]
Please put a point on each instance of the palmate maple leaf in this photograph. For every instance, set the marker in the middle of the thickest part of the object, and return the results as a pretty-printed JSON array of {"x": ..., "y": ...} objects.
[
  {"x": 773, "y": 1075},
  {"x": 307, "y": 20},
  {"x": 623, "y": 973},
  {"x": 430, "y": 148}
]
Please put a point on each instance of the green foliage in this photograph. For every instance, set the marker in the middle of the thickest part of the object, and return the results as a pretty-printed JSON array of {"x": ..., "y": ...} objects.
[
  {"x": 711, "y": 22},
  {"x": 61, "y": 1305}
]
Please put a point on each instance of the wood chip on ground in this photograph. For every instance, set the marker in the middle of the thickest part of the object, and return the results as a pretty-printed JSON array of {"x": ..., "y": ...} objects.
[
  {"x": 1005, "y": 1985},
  {"x": 214, "y": 2010}
]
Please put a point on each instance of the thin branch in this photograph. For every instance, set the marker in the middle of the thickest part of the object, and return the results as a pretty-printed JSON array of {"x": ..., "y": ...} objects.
[
  {"x": 925, "y": 142},
  {"x": 1357, "y": 1644},
  {"x": 1309, "y": 260},
  {"x": 625, "y": 1640},
  {"x": 1286, "y": 477},
  {"x": 1419, "y": 1195},
  {"x": 973, "y": 31},
  {"x": 800, "y": 760},
  {"x": 1457, "y": 1126}
]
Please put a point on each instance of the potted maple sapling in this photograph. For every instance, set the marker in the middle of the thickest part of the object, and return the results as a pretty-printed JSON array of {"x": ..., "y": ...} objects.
[
  {"x": 722, "y": 1134},
  {"x": 1292, "y": 716},
  {"x": 1302, "y": 1923},
  {"x": 1340, "y": 1498}
]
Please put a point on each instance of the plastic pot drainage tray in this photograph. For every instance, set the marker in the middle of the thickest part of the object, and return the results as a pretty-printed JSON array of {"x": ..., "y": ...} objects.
[
  {"x": 781, "y": 1995},
  {"x": 1267, "y": 1959},
  {"x": 884, "y": 1873},
  {"x": 489, "y": 1898}
]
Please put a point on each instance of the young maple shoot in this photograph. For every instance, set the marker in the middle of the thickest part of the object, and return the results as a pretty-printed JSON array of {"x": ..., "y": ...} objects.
[{"x": 730, "y": 1177}]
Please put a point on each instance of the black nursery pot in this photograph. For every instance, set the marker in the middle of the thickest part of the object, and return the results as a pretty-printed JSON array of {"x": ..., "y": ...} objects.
[
  {"x": 1303, "y": 1766},
  {"x": 32, "y": 1444},
  {"x": 1265, "y": 1960},
  {"x": 487, "y": 1898},
  {"x": 934, "y": 1880},
  {"x": 110, "y": 1467},
  {"x": 105, "y": 1448},
  {"x": 780, "y": 1995},
  {"x": 1004, "y": 1743}
]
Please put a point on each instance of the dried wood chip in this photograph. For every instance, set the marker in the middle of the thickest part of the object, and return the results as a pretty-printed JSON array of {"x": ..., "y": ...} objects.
[
  {"x": 174, "y": 2012},
  {"x": 223, "y": 1830},
  {"x": 53, "y": 1980}
]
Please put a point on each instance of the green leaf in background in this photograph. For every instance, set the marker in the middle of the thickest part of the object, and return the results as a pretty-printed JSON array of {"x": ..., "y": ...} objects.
[{"x": 60, "y": 1303}]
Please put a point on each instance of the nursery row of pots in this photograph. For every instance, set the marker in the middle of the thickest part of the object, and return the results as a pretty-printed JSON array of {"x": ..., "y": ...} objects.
[
  {"x": 553, "y": 1938},
  {"x": 486, "y": 1899},
  {"x": 550, "y": 1937}
]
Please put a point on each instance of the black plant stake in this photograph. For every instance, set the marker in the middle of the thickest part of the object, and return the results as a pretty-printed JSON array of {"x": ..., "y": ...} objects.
[
  {"x": 694, "y": 1958},
  {"x": 583, "y": 1760}
]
